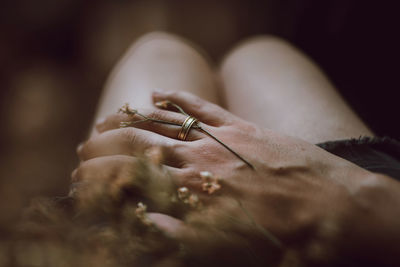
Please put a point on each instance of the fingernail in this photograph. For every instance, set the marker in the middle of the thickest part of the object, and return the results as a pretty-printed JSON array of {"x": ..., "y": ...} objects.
[
  {"x": 73, "y": 188},
  {"x": 73, "y": 174},
  {"x": 161, "y": 104},
  {"x": 99, "y": 124},
  {"x": 100, "y": 121},
  {"x": 159, "y": 91},
  {"x": 79, "y": 148}
]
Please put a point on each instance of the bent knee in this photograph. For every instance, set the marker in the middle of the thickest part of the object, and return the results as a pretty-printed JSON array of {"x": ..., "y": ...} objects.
[
  {"x": 257, "y": 48},
  {"x": 157, "y": 36},
  {"x": 164, "y": 44}
]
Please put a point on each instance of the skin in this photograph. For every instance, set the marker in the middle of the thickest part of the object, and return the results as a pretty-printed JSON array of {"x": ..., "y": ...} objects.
[
  {"x": 321, "y": 208},
  {"x": 156, "y": 60},
  {"x": 290, "y": 192},
  {"x": 269, "y": 82}
]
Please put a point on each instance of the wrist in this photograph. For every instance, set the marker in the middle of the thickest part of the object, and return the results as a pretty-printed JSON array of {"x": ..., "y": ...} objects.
[{"x": 373, "y": 230}]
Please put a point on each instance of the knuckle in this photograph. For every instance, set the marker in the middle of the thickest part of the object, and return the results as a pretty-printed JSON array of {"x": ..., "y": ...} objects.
[
  {"x": 128, "y": 135},
  {"x": 83, "y": 150},
  {"x": 174, "y": 94},
  {"x": 181, "y": 151},
  {"x": 194, "y": 100},
  {"x": 74, "y": 175},
  {"x": 79, "y": 174},
  {"x": 113, "y": 119},
  {"x": 157, "y": 114},
  {"x": 247, "y": 127},
  {"x": 108, "y": 120},
  {"x": 179, "y": 95},
  {"x": 191, "y": 178},
  {"x": 199, "y": 103},
  {"x": 115, "y": 171},
  {"x": 177, "y": 147},
  {"x": 104, "y": 124},
  {"x": 192, "y": 174},
  {"x": 121, "y": 163},
  {"x": 164, "y": 115}
]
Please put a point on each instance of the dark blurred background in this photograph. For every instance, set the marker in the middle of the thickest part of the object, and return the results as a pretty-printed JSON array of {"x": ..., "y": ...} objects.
[{"x": 55, "y": 56}]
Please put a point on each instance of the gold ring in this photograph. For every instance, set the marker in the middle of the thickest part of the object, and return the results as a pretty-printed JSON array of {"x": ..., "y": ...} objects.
[{"x": 186, "y": 125}]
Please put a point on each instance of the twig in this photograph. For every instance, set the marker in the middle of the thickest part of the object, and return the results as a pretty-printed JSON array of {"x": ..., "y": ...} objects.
[{"x": 227, "y": 147}]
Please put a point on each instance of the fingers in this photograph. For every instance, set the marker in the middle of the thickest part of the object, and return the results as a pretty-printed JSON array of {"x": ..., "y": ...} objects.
[
  {"x": 179, "y": 230},
  {"x": 131, "y": 142},
  {"x": 109, "y": 168},
  {"x": 203, "y": 110},
  {"x": 171, "y": 226},
  {"x": 118, "y": 174},
  {"x": 201, "y": 237},
  {"x": 104, "y": 168},
  {"x": 156, "y": 185},
  {"x": 168, "y": 130},
  {"x": 224, "y": 243}
]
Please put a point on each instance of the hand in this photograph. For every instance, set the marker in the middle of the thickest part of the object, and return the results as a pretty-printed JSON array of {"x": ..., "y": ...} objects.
[{"x": 298, "y": 203}]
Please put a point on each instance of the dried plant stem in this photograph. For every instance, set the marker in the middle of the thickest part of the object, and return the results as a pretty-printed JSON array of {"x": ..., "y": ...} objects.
[
  {"x": 179, "y": 108},
  {"x": 131, "y": 123},
  {"x": 227, "y": 147}
]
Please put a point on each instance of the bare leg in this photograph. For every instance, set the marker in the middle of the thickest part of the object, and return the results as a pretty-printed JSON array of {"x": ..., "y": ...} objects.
[
  {"x": 156, "y": 61},
  {"x": 269, "y": 82}
]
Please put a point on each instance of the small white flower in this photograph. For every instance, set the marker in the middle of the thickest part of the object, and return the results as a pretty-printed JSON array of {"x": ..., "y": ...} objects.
[{"x": 210, "y": 183}]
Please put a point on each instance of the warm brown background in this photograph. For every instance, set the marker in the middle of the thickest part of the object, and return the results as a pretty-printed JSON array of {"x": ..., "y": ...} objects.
[{"x": 55, "y": 56}]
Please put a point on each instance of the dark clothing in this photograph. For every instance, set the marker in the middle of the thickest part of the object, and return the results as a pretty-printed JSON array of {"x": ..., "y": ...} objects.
[{"x": 381, "y": 155}]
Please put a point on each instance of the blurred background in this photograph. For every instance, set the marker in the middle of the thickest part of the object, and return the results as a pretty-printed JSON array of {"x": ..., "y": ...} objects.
[{"x": 56, "y": 54}]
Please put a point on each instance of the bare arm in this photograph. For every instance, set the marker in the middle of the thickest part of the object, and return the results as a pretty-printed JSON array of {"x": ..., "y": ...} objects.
[{"x": 300, "y": 202}]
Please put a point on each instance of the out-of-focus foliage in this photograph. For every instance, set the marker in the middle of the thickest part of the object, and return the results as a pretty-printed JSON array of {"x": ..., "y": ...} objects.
[{"x": 99, "y": 224}]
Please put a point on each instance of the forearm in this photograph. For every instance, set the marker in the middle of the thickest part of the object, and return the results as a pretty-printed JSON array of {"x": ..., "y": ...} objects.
[{"x": 374, "y": 237}]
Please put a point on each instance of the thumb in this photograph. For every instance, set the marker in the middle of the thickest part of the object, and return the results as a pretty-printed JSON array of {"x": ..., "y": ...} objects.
[
  {"x": 202, "y": 243},
  {"x": 169, "y": 225}
]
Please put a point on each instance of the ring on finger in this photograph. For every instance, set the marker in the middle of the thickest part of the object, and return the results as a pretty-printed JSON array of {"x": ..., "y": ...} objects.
[{"x": 186, "y": 125}]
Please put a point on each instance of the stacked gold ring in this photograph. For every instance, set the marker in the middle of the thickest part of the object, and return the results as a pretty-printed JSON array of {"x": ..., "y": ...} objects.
[{"x": 186, "y": 125}]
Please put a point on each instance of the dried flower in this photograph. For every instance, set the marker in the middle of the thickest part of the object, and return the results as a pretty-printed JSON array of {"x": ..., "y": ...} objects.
[
  {"x": 127, "y": 110},
  {"x": 188, "y": 198},
  {"x": 210, "y": 183},
  {"x": 206, "y": 175},
  {"x": 141, "y": 209},
  {"x": 183, "y": 193},
  {"x": 142, "y": 215},
  {"x": 124, "y": 124},
  {"x": 162, "y": 104},
  {"x": 193, "y": 201}
]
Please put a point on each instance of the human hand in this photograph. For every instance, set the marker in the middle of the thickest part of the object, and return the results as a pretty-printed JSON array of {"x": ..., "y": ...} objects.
[{"x": 298, "y": 202}]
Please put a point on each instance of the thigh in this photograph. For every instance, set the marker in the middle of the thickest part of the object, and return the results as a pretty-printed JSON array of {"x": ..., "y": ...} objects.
[
  {"x": 269, "y": 82},
  {"x": 156, "y": 61}
]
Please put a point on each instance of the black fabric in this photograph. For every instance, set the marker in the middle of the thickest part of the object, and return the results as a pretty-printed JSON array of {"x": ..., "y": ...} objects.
[{"x": 376, "y": 154}]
